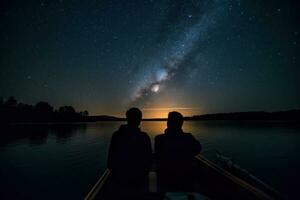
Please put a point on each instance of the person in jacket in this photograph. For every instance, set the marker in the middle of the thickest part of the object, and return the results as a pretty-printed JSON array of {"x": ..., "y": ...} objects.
[
  {"x": 174, "y": 152},
  {"x": 130, "y": 155}
]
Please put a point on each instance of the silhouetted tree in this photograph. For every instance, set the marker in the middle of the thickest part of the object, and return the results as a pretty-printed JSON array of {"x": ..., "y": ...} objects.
[
  {"x": 12, "y": 111},
  {"x": 1, "y": 105},
  {"x": 43, "y": 107},
  {"x": 11, "y": 102},
  {"x": 24, "y": 113},
  {"x": 67, "y": 109},
  {"x": 9, "y": 110},
  {"x": 84, "y": 113},
  {"x": 43, "y": 111},
  {"x": 1, "y": 110},
  {"x": 68, "y": 113}
]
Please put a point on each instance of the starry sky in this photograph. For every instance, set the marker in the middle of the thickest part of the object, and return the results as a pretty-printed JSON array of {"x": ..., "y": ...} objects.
[{"x": 193, "y": 56}]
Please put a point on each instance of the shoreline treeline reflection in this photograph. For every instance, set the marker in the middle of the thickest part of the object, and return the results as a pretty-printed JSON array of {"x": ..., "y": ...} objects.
[
  {"x": 38, "y": 134},
  {"x": 13, "y": 111}
]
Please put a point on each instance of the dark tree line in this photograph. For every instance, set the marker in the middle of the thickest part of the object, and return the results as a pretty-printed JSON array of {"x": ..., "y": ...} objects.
[{"x": 13, "y": 111}]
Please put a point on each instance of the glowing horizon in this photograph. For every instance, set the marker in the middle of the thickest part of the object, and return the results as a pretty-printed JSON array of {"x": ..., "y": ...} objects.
[{"x": 161, "y": 112}]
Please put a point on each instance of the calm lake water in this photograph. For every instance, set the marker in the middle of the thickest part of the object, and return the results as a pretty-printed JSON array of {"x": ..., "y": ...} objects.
[{"x": 65, "y": 160}]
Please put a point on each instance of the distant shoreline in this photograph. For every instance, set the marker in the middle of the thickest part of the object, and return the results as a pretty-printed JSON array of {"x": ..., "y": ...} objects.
[
  {"x": 13, "y": 112},
  {"x": 284, "y": 116},
  {"x": 289, "y": 115},
  {"x": 150, "y": 120}
]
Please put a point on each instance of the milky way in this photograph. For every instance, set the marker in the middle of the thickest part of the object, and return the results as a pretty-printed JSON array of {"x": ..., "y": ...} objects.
[
  {"x": 164, "y": 67},
  {"x": 106, "y": 56}
]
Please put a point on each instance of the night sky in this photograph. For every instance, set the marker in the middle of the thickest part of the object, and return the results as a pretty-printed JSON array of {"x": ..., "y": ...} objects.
[{"x": 192, "y": 56}]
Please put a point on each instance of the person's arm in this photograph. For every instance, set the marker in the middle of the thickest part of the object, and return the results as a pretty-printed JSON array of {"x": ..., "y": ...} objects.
[
  {"x": 195, "y": 144},
  {"x": 111, "y": 152},
  {"x": 148, "y": 152},
  {"x": 156, "y": 145}
]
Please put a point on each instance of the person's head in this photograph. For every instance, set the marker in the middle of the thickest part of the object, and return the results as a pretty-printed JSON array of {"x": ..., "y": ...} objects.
[
  {"x": 175, "y": 120},
  {"x": 134, "y": 117}
]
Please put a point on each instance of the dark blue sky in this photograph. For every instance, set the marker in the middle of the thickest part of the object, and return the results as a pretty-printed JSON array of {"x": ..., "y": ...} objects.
[{"x": 192, "y": 56}]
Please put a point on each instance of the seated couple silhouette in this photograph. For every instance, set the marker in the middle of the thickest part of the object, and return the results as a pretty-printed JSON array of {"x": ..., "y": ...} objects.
[{"x": 130, "y": 156}]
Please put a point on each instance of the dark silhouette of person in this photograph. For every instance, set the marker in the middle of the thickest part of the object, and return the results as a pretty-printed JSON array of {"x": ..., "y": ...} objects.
[
  {"x": 130, "y": 156},
  {"x": 174, "y": 152}
]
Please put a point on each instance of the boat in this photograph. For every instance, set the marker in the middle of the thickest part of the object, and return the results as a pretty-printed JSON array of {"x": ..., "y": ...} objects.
[{"x": 212, "y": 182}]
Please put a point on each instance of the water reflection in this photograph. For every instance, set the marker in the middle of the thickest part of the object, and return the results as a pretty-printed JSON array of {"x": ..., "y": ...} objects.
[
  {"x": 37, "y": 134},
  {"x": 37, "y": 137},
  {"x": 35, "y": 157},
  {"x": 64, "y": 133},
  {"x": 158, "y": 127}
]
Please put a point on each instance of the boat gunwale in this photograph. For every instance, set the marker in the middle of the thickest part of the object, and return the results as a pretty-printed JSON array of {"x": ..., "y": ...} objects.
[
  {"x": 233, "y": 178},
  {"x": 97, "y": 187},
  {"x": 229, "y": 176}
]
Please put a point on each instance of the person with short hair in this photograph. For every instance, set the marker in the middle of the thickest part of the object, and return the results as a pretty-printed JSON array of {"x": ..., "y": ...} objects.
[
  {"x": 175, "y": 151},
  {"x": 130, "y": 155}
]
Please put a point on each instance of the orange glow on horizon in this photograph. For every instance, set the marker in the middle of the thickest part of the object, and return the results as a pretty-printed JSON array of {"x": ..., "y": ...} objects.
[{"x": 163, "y": 112}]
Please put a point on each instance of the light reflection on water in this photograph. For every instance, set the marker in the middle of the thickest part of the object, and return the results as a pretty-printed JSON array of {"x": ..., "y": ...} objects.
[{"x": 64, "y": 160}]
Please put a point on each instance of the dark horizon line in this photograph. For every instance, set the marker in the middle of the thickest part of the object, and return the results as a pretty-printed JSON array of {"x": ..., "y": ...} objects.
[{"x": 292, "y": 114}]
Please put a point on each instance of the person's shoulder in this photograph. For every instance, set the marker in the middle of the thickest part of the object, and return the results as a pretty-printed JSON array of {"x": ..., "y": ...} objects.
[
  {"x": 144, "y": 134},
  {"x": 189, "y": 135},
  {"x": 159, "y": 136},
  {"x": 116, "y": 134},
  {"x": 119, "y": 132}
]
